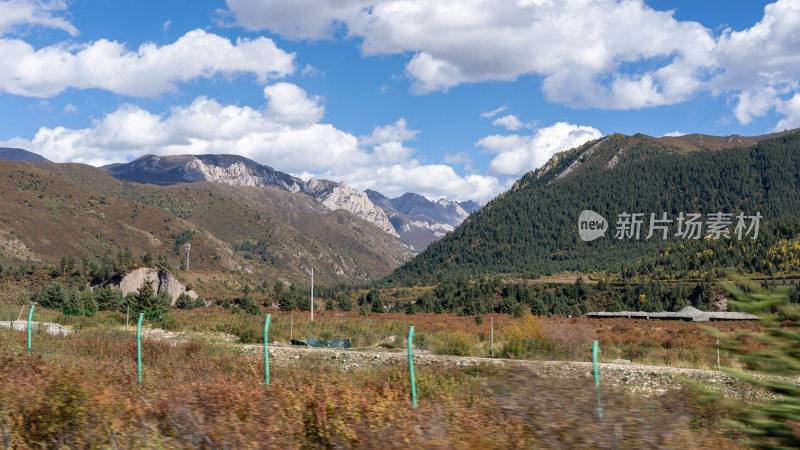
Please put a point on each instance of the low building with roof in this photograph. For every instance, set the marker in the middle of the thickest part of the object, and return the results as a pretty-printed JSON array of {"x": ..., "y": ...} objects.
[{"x": 689, "y": 313}]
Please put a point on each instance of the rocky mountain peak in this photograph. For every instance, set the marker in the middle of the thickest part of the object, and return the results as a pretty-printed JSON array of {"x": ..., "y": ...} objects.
[
  {"x": 242, "y": 172},
  {"x": 410, "y": 217},
  {"x": 147, "y": 163},
  {"x": 357, "y": 203},
  {"x": 412, "y": 204},
  {"x": 454, "y": 208}
]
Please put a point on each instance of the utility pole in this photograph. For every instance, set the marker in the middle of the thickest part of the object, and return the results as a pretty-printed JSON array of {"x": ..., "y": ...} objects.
[
  {"x": 312, "y": 294},
  {"x": 188, "y": 247}
]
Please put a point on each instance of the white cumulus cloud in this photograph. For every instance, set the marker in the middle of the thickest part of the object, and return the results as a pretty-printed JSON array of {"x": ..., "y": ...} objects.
[
  {"x": 286, "y": 133},
  {"x": 461, "y": 158},
  {"x": 762, "y": 64},
  {"x": 578, "y": 46},
  {"x": 21, "y": 13},
  {"x": 606, "y": 54},
  {"x": 519, "y": 154},
  {"x": 509, "y": 122},
  {"x": 791, "y": 109},
  {"x": 148, "y": 71},
  {"x": 397, "y": 131},
  {"x": 296, "y": 19},
  {"x": 289, "y": 104},
  {"x": 433, "y": 181}
]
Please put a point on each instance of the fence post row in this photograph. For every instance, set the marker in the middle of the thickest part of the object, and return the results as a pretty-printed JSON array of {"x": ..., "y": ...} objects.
[
  {"x": 30, "y": 317},
  {"x": 411, "y": 365},
  {"x": 266, "y": 349},
  {"x": 139, "y": 347},
  {"x": 570, "y": 351}
]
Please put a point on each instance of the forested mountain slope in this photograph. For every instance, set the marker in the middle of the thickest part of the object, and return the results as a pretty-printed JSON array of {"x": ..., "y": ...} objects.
[{"x": 533, "y": 229}]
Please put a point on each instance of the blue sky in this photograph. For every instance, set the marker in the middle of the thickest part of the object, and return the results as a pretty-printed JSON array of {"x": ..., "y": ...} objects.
[{"x": 447, "y": 98}]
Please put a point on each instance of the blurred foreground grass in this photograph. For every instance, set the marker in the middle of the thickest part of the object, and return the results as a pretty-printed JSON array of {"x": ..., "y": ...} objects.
[{"x": 196, "y": 396}]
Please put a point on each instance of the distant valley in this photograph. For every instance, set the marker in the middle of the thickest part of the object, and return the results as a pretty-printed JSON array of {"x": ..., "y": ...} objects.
[{"x": 243, "y": 216}]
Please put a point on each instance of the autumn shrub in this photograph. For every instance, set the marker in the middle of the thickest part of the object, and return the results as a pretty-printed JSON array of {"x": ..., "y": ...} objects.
[
  {"x": 169, "y": 322},
  {"x": 451, "y": 344},
  {"x": 527, "y": 327},
  {"x": 248, "y": 332},
  {"x": 577, "y": 332},
  {"x": 62, "y": 411},
  {"x": 519, "y": 335}
]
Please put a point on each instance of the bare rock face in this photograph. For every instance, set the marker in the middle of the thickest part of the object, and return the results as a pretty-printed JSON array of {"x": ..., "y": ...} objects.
[
  {"x": 161, "y": 280},
  {"x": 239, "y": 173},
  {"x": 357, "y": 203},
  {"x": 411, "y": 204},
  {"x": 243, "y": 172},
  {"x": 13, "y": 247},
  {"x": 575, "y": 164},
  {"x": 456, "y": 213},
  {"x": 420, "y": 221}
]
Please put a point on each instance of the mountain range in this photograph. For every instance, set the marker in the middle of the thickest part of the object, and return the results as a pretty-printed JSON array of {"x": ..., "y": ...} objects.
[
  {"x": 412, "y": 218},
  {"x": 239, "y": 215},
  {"x": 50, "y": 211},
  {"x": 246, "y": 217}
]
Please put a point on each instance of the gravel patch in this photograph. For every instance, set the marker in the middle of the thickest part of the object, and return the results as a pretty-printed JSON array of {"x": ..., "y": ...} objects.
[{"x": 49, "y": 328}]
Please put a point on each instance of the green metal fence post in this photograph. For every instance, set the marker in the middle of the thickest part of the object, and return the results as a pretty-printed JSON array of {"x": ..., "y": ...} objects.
[
  {"x": 266, "y": 349},
  {"x": 30, "y": 317},
  {"x": 411, "y": 365},
  {"x": 595, "y": 351},
  {"x": 139, "y": 347}
]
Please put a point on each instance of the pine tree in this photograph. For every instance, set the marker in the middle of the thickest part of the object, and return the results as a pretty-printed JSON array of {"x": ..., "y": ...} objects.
[
  {"x": 145, "y": 299},
  {"x": 249, "y": 305},
  {"x": 344, "y": 302}
]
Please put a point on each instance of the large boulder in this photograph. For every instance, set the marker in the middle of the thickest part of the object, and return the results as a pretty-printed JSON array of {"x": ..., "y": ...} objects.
[{"x": 161, "y": 280}]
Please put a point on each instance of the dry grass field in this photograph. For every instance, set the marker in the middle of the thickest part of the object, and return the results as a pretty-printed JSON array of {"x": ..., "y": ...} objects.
[{"x": 195, "y": 396}]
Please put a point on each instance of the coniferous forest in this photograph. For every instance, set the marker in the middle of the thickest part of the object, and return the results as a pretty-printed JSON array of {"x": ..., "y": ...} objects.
[{"x": 532, "y": 230}]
